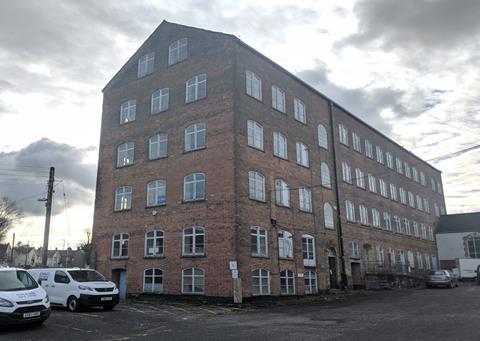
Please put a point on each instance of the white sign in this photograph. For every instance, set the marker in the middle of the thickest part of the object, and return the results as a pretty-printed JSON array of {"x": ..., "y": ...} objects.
[
  {"x": 234, "y": 274},
  {"x": 300, "y": 274},
  {"x": 233, "y": 265}
]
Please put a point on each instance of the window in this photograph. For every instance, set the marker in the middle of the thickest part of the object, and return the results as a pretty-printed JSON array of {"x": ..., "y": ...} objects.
[
  {"x": 123, "y": 198},
  {"x": 285, "y": 244},
  {"x": 325, "y": 174},
  {"x": 258, "y": 241},
  {"x": 383, "y": 188},
  {"x": 195, "y": 137},
  {"x": 346, "y": 172},
  {"x": 157, "y": 146},
  {"x": 193, "y": 241},
  {"x": 403, "y": 195},
  {"x": 411, "y": 199},
  {"x": 399, "y": 165},
  {"x": 379, "y": 152},
  {"x": 196, "y": 88},
  {"x": 473, "y": 246},
  {"x": 350, "y": 209},
  {"x": 308, "y": 247},
  {"x": 253, "y": 85},
  {"x": 120, "y": 245},
  {"x": 389, "y": 160},
  {"x": 156, "y": 193},
  {"x": 305, "y": 199},
  {"x": 159, "y": 101},
  {"x": 255, "y": 135},
  {"x": 177, "y": 51},
  {"x": 299, "y": 110},
  {"x": 375, "y": 218},
  {"x": 153, "y": 281},
  {"x": 278, "y": 98},
  {"x": 372, "y": 183},
  {"x": 391, "y": 257},
  {"x": 256, "y": 186},
  {"x": 194, "y": 187},
  {"x": 406, "y": 227},
  {"x": 354, "y": 250},
  {"x": 419, "y": 203},
  {"x": 125, "y": 153},
  {"x": 357, "y": 143},
  {"x": 128, "y": 111},
  {"x": 416, "y": 231},
  {"x": 343, "y": 134},
  {"x": 302, "y": 154},
  {"x": 60, "y": 277},
  {"x": 435, "y": 208},
  {"x": 282, "y": 193},
  {"x": 380, "y": 255},
  {"x": 328, "y": 216},
  {"x": 408, "y": 172},
  {"x": 439, "y": 187},
  {"x": 260, "y": 282},
  {"x": 387, "y": 222},
  {"x": 280, "y": 148},
  {"x": 310, "y": 281},
  {"x": 442, "y": 210},
  {"x": 423, "y": 181},
  {"x": 322, "y": 136},
  {"x": 145, "y": 64},
  {"x": 363, "y": 215},
  {"x": 360, "y": 178},
  {"x": 398, "y": 224},
  {"x": 423, "y": 230},
  {"x": 368, "y": 149},
  {"x": 193, "y": 281},
  {"x": 393, "y": 192},
  {"x": 154, "y": 243},
  {"x": 287, "y": 282},
  {"x": 415, "y": 174},
  {"x": 432, "y": 181},
  {"x": 426, "y": 205},
  {"x": 411, "y": 259}
]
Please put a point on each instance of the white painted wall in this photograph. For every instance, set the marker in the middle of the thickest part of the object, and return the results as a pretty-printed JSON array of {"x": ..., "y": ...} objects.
[{"x": 450, "y": 245}]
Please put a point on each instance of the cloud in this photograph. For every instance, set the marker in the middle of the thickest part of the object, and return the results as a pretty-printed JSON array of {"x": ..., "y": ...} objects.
[{"x": 24, "y": 175}]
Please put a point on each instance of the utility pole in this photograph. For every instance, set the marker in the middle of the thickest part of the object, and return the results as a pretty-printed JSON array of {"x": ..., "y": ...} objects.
[
  {"x": 11, "y": 253},
  {"x": 48, "y": 205}
]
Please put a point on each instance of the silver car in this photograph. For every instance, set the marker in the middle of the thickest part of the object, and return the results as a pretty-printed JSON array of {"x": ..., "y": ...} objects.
[{"x": 441, "y": 278}]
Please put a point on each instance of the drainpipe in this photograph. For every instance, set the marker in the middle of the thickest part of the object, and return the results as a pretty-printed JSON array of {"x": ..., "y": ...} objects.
[{"x": 343, "y": 274}]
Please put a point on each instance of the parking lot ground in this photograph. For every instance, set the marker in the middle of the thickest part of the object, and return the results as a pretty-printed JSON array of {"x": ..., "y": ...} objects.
[{"x": 422, "y": 314}]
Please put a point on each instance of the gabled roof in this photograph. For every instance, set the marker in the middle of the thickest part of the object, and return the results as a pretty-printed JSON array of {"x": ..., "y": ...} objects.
[{"x": 458, "y": 223}]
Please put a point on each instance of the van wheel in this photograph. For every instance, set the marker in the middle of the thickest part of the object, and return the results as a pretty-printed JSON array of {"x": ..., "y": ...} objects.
[
  {"x": 108, "y": 307},
  {"x": 72, "y": 303}
]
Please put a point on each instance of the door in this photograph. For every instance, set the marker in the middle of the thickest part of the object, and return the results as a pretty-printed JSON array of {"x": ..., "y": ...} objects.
[
  {"x": 332, "y": 268},
  {"x": 356, "y": 276},
  {"x": 60, "y": 287},
  {"x": 119, "y": 277}
]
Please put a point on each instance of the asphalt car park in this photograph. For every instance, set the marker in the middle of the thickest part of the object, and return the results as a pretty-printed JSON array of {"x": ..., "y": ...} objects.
[{"x": 418, "y": 314}]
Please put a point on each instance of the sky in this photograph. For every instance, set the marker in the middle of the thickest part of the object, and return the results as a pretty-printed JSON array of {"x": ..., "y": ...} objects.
[{"x": 409, "y": 68}]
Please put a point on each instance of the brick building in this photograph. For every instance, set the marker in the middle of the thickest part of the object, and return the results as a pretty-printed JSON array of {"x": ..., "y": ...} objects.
[{"x": 211, "y": 153}]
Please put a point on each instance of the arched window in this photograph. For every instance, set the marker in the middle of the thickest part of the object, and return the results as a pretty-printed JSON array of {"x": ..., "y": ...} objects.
[
  {"x": 194, "y": 187},
  {"x": 308, "y": 248},
  {"x": 285, "y": 244},
  {"x": 193, "y": 241},
  {"x": 159, "y": 101},
  {"x": 125, "y": 154},
  {"x": 287, "y": 282},
  {"x": 156, "y": 193},
  {"x": 260, "y": 282},
  {"x": 153, "y": 281},
  {"x": 328, "y": 215},
  {"x": 157, "y": 146},
  {"x": 302, "y": 154},
  {"x": 123, "y": 198},
  {"x": 195, "y": 137},
  {"x": 154, "y": 243},
  {"x": 282, "y": 193},
  {"x": 325, "y": 172},
  {"x": 322, "y": 136},
  {"x": 255, "y": 134},
  {"x": 256, "y": 186},
  {"x": 193, "y": 281}
]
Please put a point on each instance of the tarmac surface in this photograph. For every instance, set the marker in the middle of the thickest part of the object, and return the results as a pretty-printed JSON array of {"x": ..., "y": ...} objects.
[{"x": 415, "y": 314}]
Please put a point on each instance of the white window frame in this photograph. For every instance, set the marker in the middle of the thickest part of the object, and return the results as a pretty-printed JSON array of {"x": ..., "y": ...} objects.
[
  {"x": 196, "y": 88},
  {"x": 302, "y": 154},
  {"x": 376, "y": 218},
  {"x": 278, "y": 99},
  {"x": 285, "y": 244},
  {"x": 178, "y": 51},
  {"x": 393, "y": 192},
  {"x": 346, "y": 173},
  {"x": 389, "y": 157},
  {"x": 350, "y": 211},
  {"x": 363, "y": 215},
  {"x": 145, "y": 64},
  {"x": 123, "y": 198},
  {"x": 300, "y": 112},
  {"x": 282, "y": 193},
  {"x": 123, "y": 239},
  {"x": 253, "y": 85},
  {"x": 198, "y": 274},
  {"x": 154, "y": 190},
  {"x": 128, "y": 111},
  {"x": 197, "y": 178},
  {"x": 368, "y": 149},
  {"x": 255, "y": 134},
  {"x": 357, "y": 142},
  {"x": 343, "y": 134},
  {"x": 159, "y": 101},
  {"x": 322, "y": 136},
  {"x": 325, "y": 175},
  {"x": 387, "y": 221},
  {"x": 360, "y": 177},
  {"x": 158, "y": 240},
  {"x": 305, "y": 199},
  {"x": 354, "y": 250},
  {"x": 261, "y": 239},
  {"x": 403, "y": 195},
  {"x": 399, "y": 165},
  {"x": 280, "y": 145},
  {"x": 379, "y": 153},
  {"x": 125, "y": 154},
  {"x": 195, "y": 137},
  {"x": 372, "y": 183},
  {"x": 256, "y": 186},
  {"x": 196, "y": 231},
  {"x": 260, "y": 275},
  {"x": 156, "y": 273},
  {"x": 310, "y": 282},
  {"x": 383, "y": 188},
  {"x": 158, "y": 146},
  {"x": 288, "y": 277},
  {"x": 308, "y": 250},
  {"x": 328, "y": 216}
]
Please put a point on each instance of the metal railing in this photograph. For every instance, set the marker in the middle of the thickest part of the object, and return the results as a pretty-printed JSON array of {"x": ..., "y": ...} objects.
[{"x": 396, "y": 269}]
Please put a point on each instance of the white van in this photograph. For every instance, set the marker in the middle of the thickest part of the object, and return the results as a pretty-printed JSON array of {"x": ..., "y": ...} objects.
[
  {"x": 22, "y": 300},
  {"x": 76, "y": 288}
]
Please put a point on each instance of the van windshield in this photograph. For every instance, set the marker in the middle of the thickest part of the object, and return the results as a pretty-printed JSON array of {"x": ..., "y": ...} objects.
[
  {"x": 16, "y": 280},
  {"x": 86, "y": 276}
]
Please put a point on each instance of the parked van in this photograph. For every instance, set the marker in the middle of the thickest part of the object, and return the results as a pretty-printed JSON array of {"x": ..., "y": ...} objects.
[
  {"x": 22, "y": 300},
  {"x": 76, "y": 288}
]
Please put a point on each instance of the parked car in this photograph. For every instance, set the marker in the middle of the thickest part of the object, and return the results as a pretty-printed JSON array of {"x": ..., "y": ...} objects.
[
  {"x": 439, "y": 278},
  {"x": 77, "y": 288},
  {"x": 22, "y": 300},
  {"x": 478, "y": 274}
]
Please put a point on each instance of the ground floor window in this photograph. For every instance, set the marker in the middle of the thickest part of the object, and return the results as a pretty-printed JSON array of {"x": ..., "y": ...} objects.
[
  {"x": 193, "y": 281},
  {"x": 153, "y": 280},
  {"x": 260, "y": 282},
  {"x": 310, "y": 279},
  {"x": 287, "y": 282}
]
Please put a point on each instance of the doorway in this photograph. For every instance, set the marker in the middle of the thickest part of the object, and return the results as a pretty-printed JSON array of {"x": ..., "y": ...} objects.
[
  {"x": 356, "y": 276},
  {"x": 119, "y": 277},
  {"x": 332, "y": 268}
]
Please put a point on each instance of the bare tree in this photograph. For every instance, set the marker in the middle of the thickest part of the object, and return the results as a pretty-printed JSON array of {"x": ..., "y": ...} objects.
[{"x": 9, "y": 212}]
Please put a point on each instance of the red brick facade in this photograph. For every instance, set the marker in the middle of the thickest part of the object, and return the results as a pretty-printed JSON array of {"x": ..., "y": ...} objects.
[{"x": 227, "y": 213}]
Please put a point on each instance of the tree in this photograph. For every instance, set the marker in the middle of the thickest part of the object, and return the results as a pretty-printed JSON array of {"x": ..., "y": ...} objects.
[{"x": 9, "y": 212}]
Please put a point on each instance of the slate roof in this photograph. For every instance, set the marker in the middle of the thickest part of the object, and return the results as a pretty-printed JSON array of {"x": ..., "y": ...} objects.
[{"x": 458, "y": 223}]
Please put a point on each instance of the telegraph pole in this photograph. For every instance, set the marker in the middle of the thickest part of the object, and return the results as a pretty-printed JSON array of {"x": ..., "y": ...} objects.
[{"x": 48, "y": 214}]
